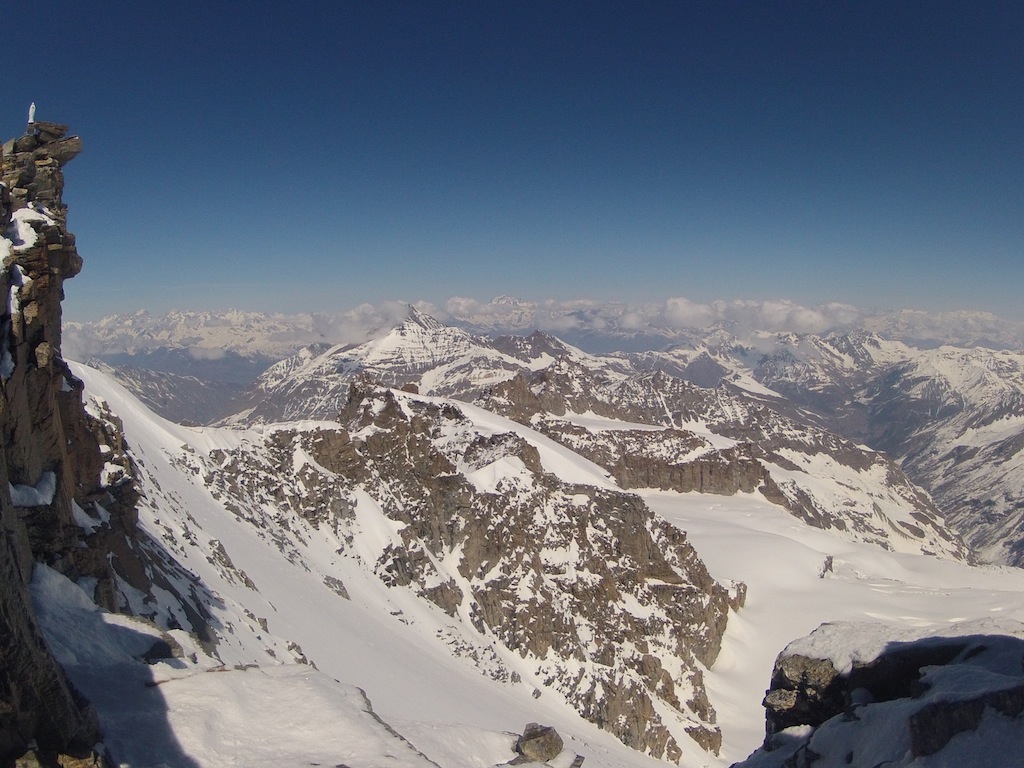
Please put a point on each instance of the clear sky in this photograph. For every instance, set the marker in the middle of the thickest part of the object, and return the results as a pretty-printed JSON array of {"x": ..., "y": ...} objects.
[{"x": 313, "y": 156}]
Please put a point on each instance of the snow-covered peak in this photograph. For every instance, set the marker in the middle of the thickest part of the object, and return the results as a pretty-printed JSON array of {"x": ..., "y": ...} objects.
[
  {"x": 437, "y": 359},
  {"x": 421, "y": 319},
  {"x": 416, "y": 343}
]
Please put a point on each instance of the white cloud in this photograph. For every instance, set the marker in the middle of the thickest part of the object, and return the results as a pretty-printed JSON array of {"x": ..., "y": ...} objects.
[
  {"x": 680, "y": 312},
  {"x": 673, "y": 314}
]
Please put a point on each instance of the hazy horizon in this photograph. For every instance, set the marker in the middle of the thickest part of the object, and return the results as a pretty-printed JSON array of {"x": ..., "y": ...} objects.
[{"x": 599, "y": 327}]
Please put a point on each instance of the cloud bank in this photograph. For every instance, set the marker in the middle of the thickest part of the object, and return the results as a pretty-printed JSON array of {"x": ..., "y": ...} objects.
[
  {"x": 673, "y": 314},
  {"x": 595, "y": 325}
]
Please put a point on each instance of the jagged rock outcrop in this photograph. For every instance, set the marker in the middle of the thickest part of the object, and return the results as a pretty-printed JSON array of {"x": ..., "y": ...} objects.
[
  {"x": 538, "y": 744},
  {"x": 64, "y": 500},
  {"x": 868, "y": 694},
  {"x": 32, "y": 169},
  {"x": 669, "y": 459},
  {"x": 36, "y": 703}
]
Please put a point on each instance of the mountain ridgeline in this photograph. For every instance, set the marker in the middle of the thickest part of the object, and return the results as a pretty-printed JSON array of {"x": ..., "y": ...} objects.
[
  {"x": 950, "y": 418},
  {"x": 669, "y": 433}
]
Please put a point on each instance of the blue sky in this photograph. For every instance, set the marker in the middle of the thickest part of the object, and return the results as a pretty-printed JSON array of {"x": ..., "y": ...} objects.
[{"x": 315, "y": 156}]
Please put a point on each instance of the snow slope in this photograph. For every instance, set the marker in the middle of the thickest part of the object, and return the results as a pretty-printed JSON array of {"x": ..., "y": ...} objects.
[
  {"x": 188, "y": 709},
  {"x": 793, "y": 587},
  {"x": 270, "y": 603},
  {"x": 414, "y": 662}
]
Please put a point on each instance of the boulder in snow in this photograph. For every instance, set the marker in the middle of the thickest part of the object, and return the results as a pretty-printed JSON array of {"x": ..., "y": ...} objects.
[{"x": 538, "y": 744}]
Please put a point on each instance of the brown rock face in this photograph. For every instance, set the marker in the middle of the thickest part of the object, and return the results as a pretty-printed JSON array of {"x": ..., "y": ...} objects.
[
  {"x": 51, "y": 465},
  {"x": 539, "y": 743}
]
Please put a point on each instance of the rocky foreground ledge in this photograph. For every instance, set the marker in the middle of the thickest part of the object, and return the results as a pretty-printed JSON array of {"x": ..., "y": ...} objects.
[{"x": 862, "y": 694}]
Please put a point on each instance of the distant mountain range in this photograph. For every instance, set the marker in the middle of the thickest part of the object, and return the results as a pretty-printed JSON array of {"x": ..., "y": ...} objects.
[
  {"x": 595, "y": 326},
  {"x": 951, "y": 417}
]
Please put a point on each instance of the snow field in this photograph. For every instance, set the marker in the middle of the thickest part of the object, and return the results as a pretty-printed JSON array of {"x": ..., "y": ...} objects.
[
  {"x": 743, "y": 538},
  {"x": 397, "y": 647}
]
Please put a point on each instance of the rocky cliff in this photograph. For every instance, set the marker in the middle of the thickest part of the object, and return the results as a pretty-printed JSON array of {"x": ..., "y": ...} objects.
[
  {"x": 64, "y": 500},
  {"x": 871, "y": 694}
]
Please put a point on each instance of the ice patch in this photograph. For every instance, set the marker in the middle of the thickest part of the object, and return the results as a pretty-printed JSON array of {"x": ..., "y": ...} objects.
[
  {"x": 38, "y": 495},
  {"x": 83, "y": 519}
]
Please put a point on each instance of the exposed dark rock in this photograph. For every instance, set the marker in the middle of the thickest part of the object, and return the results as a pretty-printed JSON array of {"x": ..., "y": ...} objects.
[
  {"x": 32, "y": 169},
  {"x": 48, "y": 132},
  {"x": 539, "y": 743},
  {"x": 932, "y": 726},
  {"x": 40, "y": 448},
  {"x": 936, "y": 687},
  {"x": 809, "y": 691},
  {"x": 804, "y": 691},
  {"x": 659, "y": 459},
  {"x": 65, "y": 150}
]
